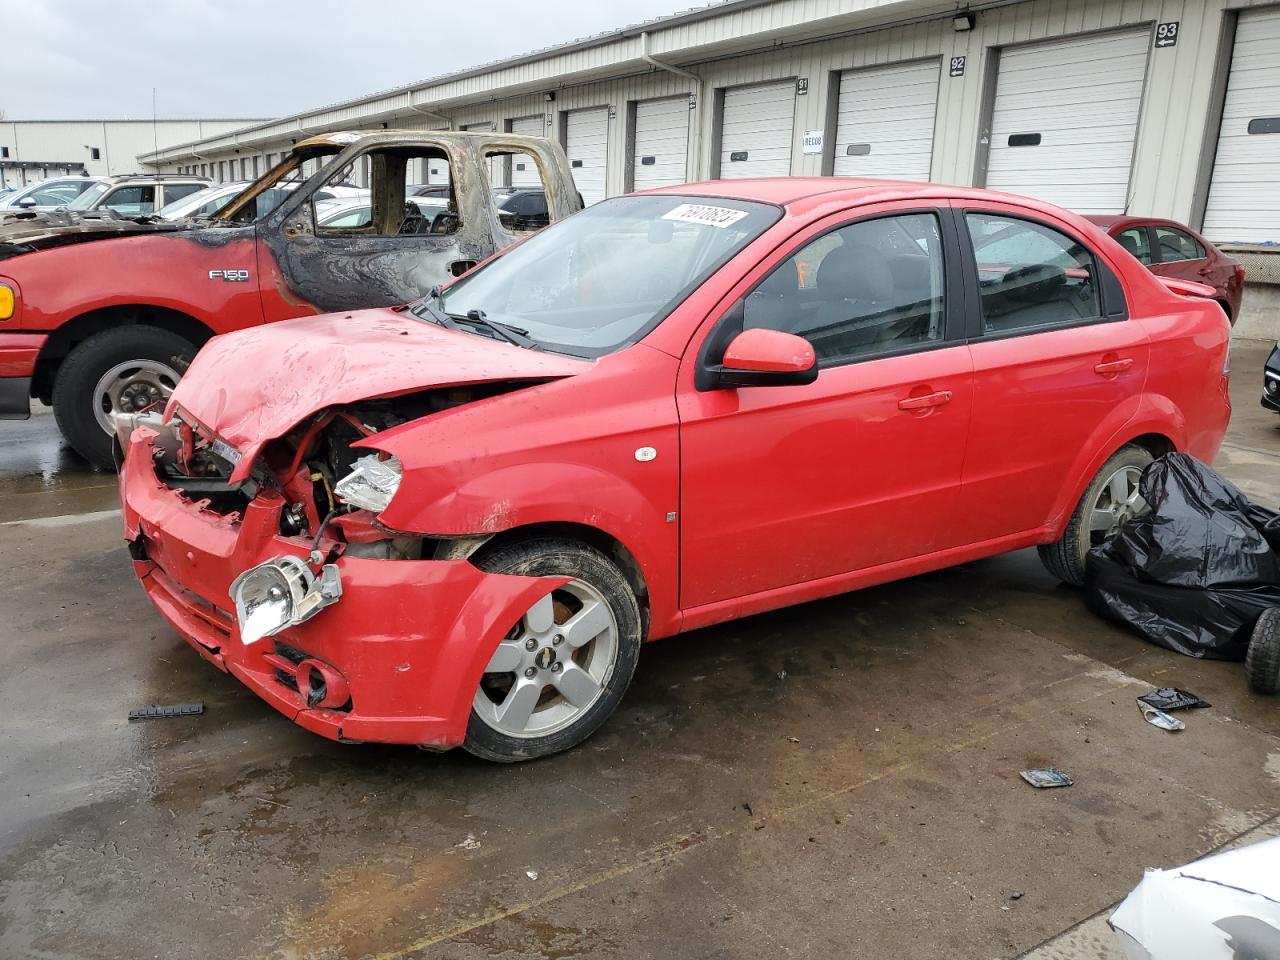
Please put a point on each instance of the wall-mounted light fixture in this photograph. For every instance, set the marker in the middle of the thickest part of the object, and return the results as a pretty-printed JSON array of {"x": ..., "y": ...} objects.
[
  {"x": 964, "y": 22},
  {"x": 549, "y": 96}
]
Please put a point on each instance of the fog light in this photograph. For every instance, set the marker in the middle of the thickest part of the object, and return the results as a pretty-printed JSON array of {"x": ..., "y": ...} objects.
[
  {"x": 281, "y": 593},
  {"x": 1271, "y": 387},
  {"x": 371, "y": 483}
]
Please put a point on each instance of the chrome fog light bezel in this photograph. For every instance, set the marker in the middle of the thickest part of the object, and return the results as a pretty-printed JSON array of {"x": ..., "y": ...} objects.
[
  {"x": 288, "y": 583},
  {"x": 371, "y": 484}
]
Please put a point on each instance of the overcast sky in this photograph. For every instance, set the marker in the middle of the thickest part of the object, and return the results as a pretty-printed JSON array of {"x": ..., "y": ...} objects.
[{"x": 233, "y": 59}]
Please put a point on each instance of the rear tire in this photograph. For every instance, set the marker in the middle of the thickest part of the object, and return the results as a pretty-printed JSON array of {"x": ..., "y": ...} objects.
[
  {"x": 1262, "y": 663},
  {"x": 1065, "y": 557},
  {"x": 585, "y": 639},
  {"x": 147, "y": 353}
]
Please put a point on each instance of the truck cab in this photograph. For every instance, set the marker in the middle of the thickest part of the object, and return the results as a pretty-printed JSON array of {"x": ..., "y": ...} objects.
[{"x": 100, "y": 312}]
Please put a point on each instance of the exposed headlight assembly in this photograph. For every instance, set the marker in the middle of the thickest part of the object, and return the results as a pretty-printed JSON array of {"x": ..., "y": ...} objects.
[
  {"x": 371, "y": 483},
  {"x": 281, "y": 593}
]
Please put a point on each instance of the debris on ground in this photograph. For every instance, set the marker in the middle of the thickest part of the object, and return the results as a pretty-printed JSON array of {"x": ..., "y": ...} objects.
[
  {"x": 469, "y": 843},
  {"x": 1016, "y": 895},
  {"x": 782, "y": 674},
  {"x": 1158, "y": 718},
  {"x": 1224, "y": 907},
  {"x": 531, "y": 874},
  {"x": 167, "y": 711},
  {"x": 1169, "y": 699},
  {"x": 793, "y": 739},
  {"x": 1195, "y": 573},
  {"x": 1044, "y": 779}
]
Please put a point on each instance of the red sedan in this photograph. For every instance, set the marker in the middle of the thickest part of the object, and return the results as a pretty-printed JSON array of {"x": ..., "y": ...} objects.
[
  {"x": 456, "y": 522},
  {"x": 1170, "y": 249}
]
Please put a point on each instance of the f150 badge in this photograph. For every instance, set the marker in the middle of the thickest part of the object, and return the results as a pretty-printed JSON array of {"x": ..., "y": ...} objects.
[{"x": 231, "y": 276}]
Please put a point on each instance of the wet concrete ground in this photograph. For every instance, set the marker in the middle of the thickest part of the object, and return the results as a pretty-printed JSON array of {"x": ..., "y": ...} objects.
[{"x": 837, "y": 779}]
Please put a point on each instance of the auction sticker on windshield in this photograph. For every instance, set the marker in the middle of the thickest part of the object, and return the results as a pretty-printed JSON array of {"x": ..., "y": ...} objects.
[{"x": 705, "y": 214}]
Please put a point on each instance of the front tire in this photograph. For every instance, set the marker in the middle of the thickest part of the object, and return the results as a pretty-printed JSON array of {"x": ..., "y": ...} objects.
[
  {"x": 563, "y": 667},
  {"x": 139, "y": 364},
  {"x": 1111, "y": 498}
]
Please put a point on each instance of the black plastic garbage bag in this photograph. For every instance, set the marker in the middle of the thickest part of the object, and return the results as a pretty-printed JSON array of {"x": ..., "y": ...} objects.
[{"x": 1196, "y": 572}]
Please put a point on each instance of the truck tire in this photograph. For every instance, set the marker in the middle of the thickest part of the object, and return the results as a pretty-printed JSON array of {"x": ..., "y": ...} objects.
[
  {"x": 1065, "y": 557},
  {"x": 145, "y": 361},
  {"x": 1262, "y": 663},
  {"x": 563, "y": 667}
]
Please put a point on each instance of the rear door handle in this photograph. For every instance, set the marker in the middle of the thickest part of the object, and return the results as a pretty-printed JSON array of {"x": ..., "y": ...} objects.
[
  {"x": 928, "y": 400},
  {"x": 1108, "y": 367}
]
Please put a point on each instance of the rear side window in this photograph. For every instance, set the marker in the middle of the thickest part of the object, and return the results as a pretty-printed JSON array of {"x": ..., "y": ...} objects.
[
  {"x": 1030, "y": 275},
  {"x": 869, "y": 288},
  {"x": 1175, "y": 245},
  {"x": 176, "y": 191},
  {"x": 1137, "y": 242}
]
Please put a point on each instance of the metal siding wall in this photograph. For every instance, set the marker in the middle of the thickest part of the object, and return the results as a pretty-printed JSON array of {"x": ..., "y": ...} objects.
[{"x": 1175, "y": 113}]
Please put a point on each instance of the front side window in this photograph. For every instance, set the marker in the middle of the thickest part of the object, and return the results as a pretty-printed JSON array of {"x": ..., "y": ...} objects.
[
  {"x": 1175, "y": 245},
  {"x": 599, "y": 280},
  {"x": 1030, "y": 275},
  {"x": 868, "y": 288},
  {"x": 131, "y": 201},
  {"x": 387, "y": 172},
  {"x": 1136, "y": 241}
]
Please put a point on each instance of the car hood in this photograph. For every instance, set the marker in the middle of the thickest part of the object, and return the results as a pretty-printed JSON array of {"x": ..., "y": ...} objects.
[
  {"x": 26, "y": 231},
  {"x": 252, "y": 386}
]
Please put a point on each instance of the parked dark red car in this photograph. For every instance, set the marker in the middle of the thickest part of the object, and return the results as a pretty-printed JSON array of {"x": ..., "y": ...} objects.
[
  {"x": 455, "y": 523},
  {"x": 1172, "y": 249}
]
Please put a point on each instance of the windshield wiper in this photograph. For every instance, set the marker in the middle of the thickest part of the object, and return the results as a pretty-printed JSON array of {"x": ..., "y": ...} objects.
[
  {"x": 507, "y": 332},
  {"x": 424, "y": 309}
]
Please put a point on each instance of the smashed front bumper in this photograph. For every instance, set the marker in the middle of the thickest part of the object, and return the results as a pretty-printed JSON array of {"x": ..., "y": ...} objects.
[{"x": 396, "y": 659}]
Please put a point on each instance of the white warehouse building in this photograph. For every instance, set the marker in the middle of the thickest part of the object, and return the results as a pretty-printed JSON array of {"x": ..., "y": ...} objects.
[
  {"x": 1157, "y": 107},
  {"x": 33, "y": 150}
]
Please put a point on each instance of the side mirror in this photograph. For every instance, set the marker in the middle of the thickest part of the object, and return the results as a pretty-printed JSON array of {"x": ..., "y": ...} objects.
[
  {"x": 767, "y": 358},
  {"x": 26, "y": 203}
]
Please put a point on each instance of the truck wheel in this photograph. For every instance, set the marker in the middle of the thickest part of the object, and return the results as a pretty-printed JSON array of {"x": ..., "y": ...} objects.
[
  {"x": 1109, "y": 500},
  {"x": 137, "y": 366},
  {"x": 1262, "y": 663},
  {"x": 564, "y": 666}
]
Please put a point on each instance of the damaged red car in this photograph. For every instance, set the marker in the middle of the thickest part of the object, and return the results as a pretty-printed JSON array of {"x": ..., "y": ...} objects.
[{"x": 455, "y": 523}]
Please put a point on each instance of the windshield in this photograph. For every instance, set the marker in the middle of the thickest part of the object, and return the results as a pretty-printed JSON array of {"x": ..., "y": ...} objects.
[
  {"x": 604, "y": 277},
  {"x": 85, "y": 200}
]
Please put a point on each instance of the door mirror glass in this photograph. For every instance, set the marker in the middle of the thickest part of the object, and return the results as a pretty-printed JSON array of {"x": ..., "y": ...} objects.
[{"x": 762, "y": 357}]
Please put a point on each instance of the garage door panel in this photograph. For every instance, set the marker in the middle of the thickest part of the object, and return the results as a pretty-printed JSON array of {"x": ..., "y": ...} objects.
[
  {"x": 758, "y": 121},
  {"x": 662, "y": 137},
  {"x": 528, "y": 176},
  {"x": 1082, "y": 97},
  {"x": 888, "y": 113},
  {"x": 1244, "y": 193},
  {"x": 587, "y": 144}
]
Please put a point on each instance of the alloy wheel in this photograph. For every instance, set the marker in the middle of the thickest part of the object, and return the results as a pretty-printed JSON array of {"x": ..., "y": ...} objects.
[
  {"x": 1119, "y": 500},
  {"x": 552, "y": 666}
]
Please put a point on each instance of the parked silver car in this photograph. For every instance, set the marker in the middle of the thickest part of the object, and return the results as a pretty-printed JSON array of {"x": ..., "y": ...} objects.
[
  {"x": 47, "y": 194},
  {"x": 137, "y": 195}
]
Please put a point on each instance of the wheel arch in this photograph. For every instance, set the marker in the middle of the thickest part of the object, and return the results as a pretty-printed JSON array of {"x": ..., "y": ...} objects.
[
  {"x": 75, "y": 331},
  {"x": 1151, "y": 438},
  {"x": 605, "y": 542}
]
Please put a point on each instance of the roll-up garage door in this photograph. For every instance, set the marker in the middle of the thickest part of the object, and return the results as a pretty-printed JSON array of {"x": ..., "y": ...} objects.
[
  {"x": 524, "y": 172},
  {"x": 1244, "y": 195},
  {"x": 755, "y": 130},
  {"x": 1065, "y": 118},
  {"x": 662, "y": 142},
  {"x": 885, "y": 121},
  {"x": 495, "y": 163},
  {"x": 587, "y": 144}
]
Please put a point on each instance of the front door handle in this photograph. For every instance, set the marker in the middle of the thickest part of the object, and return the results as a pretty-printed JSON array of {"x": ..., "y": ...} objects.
[
  {"x": 925, "y": 402},
  {"x": 1110, "y": 367}
]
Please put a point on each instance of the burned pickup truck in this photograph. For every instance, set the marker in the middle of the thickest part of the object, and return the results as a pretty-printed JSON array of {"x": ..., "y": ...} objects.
[{"x": 102, "y": 313}]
